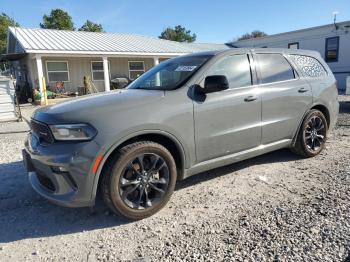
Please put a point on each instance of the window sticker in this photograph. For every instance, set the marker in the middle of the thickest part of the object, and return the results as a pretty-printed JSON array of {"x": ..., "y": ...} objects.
[{"x": 183, "y": 68}]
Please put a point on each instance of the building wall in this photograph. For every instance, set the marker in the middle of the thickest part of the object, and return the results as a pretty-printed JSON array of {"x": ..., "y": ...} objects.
[
  {"x": 81, "y": 66},
  {"x": 313, "y": 39}
]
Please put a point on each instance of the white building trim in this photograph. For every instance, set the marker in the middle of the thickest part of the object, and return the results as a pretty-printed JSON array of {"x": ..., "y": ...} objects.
[
  {"x": 39, "y": 65},
  {"x": 106, "y": 73},
  {"x": 91, "y": 53}
]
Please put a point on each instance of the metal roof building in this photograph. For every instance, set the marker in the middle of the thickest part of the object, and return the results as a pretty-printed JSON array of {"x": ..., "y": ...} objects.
[
  {"x": 68, "y": 56},
  {"x": 49, "y": 41}
]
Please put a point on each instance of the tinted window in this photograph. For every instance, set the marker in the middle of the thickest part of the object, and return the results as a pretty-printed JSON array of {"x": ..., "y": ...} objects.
[
  {"x": 57, "y": 71},
  {"x": 274, "y": 68},
  {"x": 310, "y": 66},
  {"x": 57, "y": 66},
  {"x": 332, "y": 49},
  {"x": 236, "y": 68},
  {"x": 136, "y": 68},
  {"x": 293, "y": 45},
  {"x": 97, "y": 70}
]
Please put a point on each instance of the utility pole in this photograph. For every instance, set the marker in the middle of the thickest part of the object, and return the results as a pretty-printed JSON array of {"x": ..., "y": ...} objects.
[{"x": 335, "y": 13}]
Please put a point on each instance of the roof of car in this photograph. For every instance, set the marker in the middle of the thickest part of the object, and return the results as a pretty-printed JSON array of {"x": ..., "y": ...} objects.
[
  {"x": 284, "y": 50},
  {"x": 258, "y": 50}
]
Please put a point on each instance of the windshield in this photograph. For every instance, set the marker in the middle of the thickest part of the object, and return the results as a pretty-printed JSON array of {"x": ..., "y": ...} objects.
[{"x": 170, "y": 74}]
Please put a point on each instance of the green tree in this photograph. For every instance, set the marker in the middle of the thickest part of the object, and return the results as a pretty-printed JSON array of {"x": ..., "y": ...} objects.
[
  {"x": 90, "y": 26},
  {"x": 253, "y": 34},
  {"x": 179, "y": 34},
  {"x": 58, "y": 19},
  {"x": 5, "y": 22}
]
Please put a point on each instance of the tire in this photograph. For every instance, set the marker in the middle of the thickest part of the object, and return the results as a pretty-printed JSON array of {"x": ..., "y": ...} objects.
[
  {"x": 130, "y": 180},
  {"x": 303, "y": 145}
]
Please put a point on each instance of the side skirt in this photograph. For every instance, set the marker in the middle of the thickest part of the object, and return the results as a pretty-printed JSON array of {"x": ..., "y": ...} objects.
[{"x": 236, "y": 157}]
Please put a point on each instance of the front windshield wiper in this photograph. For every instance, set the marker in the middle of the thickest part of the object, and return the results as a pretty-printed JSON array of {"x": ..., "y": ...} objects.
[{"x": 161, "y": 88}]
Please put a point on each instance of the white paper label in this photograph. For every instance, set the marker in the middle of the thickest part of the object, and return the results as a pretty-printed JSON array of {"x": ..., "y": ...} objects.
[{"x": 185, "y": 68}]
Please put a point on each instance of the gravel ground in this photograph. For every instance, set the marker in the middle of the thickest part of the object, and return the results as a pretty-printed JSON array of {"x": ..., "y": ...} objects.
[{"x": 274, "y": 207}]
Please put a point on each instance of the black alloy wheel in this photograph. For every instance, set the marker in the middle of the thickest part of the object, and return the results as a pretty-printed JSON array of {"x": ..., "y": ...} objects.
[
  {"x": 312, "y": 135},
  {"x": 139, "y": 179},
  {"x": 315, "y": 133},
  {"x": 144, "y": 181}
]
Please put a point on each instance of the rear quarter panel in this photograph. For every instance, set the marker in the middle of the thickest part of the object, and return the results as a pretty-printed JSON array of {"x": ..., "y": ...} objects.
[
  {"x": 325, "y": 92},
  {"x": 324, "y": 89}
]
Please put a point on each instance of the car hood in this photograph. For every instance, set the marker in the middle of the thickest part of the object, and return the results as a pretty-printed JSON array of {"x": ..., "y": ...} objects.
[{"x": 84, "y": 109}]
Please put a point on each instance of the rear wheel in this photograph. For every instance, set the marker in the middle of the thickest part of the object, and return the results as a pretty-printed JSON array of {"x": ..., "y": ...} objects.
[
  {"x": 139, "y": 180},
  {"x": 312, "y": 135}
]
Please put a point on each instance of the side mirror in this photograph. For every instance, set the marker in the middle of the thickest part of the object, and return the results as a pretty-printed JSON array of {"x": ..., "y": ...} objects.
[{"x": 215, "y": 83}]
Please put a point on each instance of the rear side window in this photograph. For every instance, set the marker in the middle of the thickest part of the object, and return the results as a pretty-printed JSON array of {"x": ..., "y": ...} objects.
[
  {"x": 274, "y": 68},
  {"x": 236, "y": 68},
  {"x": 310, "y": 66}
]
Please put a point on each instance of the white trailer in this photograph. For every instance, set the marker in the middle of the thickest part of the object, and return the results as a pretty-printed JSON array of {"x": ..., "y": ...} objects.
[{"x": 332, "y": 41}]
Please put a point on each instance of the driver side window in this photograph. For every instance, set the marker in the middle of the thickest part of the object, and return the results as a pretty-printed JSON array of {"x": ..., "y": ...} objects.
[{"x": 236, "y": 68}]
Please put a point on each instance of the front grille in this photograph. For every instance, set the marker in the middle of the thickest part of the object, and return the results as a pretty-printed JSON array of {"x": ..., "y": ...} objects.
[
  {"x": 46, "y": 182},
  {"x": 42, "y": 131}
]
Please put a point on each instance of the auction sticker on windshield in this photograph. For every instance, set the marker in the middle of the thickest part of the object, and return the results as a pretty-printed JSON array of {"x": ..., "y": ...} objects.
[{"x": 185, "y": 68}]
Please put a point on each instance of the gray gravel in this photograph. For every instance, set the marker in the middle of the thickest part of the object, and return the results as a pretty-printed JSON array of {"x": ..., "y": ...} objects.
[{"x": 274, "y": 207}]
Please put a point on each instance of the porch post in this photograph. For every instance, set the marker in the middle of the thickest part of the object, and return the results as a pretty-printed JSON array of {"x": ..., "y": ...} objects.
[
  {"x": 106, "y": 73},
  {"x": 156, "y": 60},
  {"x": 157, "y": 80},
  {"x": 39, "y": 65}
]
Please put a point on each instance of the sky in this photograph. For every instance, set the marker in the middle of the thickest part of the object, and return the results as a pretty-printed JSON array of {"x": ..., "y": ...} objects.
[{"x": 218, "y": 21}]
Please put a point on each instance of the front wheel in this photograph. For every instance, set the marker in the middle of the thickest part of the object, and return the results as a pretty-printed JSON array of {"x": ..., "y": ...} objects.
[
  {"x": 139, "y": 180},
  {"x": 312, "y": 135}
]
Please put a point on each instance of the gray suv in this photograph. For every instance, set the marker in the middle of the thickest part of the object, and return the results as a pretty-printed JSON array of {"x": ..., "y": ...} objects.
[{"x": 186, "y": 115}]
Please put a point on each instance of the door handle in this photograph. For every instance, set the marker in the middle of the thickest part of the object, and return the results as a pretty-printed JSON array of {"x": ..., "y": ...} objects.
[
  {"x": 302, "y": 90},
  {"x": 250, "y": 98}
]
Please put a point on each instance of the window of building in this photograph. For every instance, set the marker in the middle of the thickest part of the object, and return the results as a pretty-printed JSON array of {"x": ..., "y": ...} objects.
[
  {"x": 97, "y": 70},
  {"x": 310, "y": 66},
  {"x": 332, "y": 49},
  {"x": 136, "y": 68},
  {"x": 294, "y": 45},
  {"x": 236, "y": 68},
  {"x": 274, "y": 68},
  {"x": 57, "y": 71}
]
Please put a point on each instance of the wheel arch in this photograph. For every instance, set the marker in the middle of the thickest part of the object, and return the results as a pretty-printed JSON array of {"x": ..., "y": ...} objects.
[
  {"x": 325, "y": 112},
  {"x": 164, "y": 138},
  {"x": 318, "y": 106}
]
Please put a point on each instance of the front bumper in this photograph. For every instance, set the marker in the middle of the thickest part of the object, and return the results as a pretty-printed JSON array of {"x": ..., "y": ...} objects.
[{"x": 61, "y": 172}]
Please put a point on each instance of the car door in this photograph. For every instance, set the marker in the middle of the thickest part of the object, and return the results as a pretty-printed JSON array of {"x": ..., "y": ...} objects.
[
  {"x": 228, "y": 121},
  {"x": 285, "y": 96}
]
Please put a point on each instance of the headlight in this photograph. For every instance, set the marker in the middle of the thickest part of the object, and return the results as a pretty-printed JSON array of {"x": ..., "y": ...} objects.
[{"x": 73, "y": 132}]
